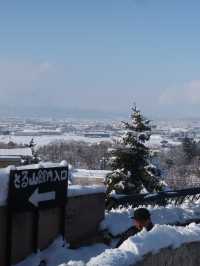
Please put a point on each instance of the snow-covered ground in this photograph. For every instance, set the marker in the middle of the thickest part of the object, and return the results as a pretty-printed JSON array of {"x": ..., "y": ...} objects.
[
  {"x": 132, "y": 250},
  {"x": 45, "y": 139},
  {"x": 57, "y": 254},
  {"x": 155, "y": 140},
  {"x": 88, "y": 177}
]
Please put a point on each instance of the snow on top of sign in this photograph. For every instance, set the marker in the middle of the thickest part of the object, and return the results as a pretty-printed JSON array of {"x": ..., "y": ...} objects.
[
  {"x": 16, "y": 152},
  {"x": 42, "y": 165},
  {"x": 64, "y": 164},
  {"x": 78, "y": 190},
  {"x": 134, "y": 248}
]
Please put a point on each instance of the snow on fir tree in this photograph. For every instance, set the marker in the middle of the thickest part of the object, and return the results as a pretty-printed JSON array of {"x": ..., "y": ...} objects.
[{"x": 132, "y": 171}]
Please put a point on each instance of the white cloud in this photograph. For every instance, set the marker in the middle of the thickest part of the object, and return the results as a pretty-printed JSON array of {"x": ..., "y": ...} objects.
[{"x": 189, "y": 93}]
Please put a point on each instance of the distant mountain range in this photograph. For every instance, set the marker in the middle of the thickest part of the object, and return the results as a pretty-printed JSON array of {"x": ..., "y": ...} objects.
[
  {"x": 74, "y": 113},
  {"x": 90, "y": 114}
]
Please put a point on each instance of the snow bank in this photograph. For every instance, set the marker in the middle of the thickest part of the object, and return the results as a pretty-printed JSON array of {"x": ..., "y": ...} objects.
[
  {"x": 16, "y": 152},
  {"x": 130, "y": 252},
  {"x": 83, "y": 173},
  {"x": 88, "y": 177},
  {"x": 118, "y": 221},
  {"x": 133, "y": 249}
]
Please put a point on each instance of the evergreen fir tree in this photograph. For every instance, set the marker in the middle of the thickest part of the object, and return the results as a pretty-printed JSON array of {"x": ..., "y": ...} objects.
[{"x": 132, "y": 171}]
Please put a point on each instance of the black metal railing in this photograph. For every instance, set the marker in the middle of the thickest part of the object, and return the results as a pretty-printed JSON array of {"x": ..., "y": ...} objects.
[{"x": 175, "y": 197}]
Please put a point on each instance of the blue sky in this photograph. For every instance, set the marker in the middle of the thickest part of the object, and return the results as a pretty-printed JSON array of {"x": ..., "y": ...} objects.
[{"x": 101, "y": 54}]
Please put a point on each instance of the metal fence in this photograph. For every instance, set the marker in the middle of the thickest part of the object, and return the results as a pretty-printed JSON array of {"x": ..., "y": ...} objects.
[
  {"x": 175, "y": 197},
  {"x": 182, "y": 182}
]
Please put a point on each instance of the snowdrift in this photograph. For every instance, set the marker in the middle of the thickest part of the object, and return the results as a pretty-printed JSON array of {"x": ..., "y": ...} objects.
[{"x": 136, "y": 247}]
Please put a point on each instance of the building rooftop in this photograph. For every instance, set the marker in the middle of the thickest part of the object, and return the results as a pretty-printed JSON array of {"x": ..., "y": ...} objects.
[{"x": 26, "y": 152}]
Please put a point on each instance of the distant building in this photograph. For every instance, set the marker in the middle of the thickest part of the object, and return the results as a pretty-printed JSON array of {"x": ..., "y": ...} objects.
[
  {"x": 16, "y": 156},
  {"x": 10, "y": 160}
]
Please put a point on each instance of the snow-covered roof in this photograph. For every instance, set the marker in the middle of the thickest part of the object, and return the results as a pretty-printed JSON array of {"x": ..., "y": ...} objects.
[
  {"x": 10, "y": 157},
  {"x": 16, "y": 152}
]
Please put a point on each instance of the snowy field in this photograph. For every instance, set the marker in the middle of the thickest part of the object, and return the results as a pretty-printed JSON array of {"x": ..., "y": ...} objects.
[
  {"x": 155, "y": 140},
  {"x": 132, "y": 250},
  {"x": 44, "y": 140}
]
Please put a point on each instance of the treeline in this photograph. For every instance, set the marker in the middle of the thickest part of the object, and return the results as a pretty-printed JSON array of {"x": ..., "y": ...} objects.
[
  {"x": 79, "y": 154},
  {"x": 181, "y": 164}
]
